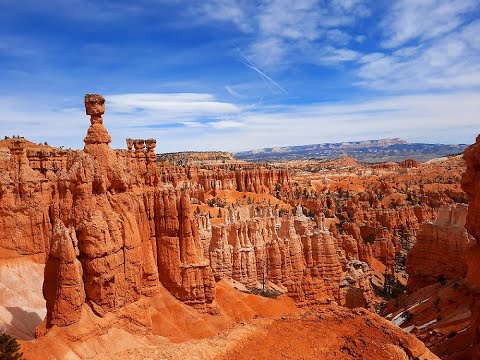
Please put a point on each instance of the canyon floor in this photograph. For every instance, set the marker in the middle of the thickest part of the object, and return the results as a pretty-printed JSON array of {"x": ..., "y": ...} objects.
[
  {"x": 325, "y": 333},
  {"x": 255, "y": 328}
]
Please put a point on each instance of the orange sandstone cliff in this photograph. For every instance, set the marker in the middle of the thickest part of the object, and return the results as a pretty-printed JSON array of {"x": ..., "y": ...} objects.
[
  {"x": 441, "y": 306},
  {"x": 471, "y": 185},
  {"x": 440, "y": 251}
]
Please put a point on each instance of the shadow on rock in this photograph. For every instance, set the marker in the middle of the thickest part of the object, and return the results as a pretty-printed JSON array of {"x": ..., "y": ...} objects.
[{"x": 23, "y": 323}]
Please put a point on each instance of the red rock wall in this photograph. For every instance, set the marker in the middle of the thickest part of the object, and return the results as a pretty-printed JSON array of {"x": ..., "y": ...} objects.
[
  {"x": 26, "y": 197},
  {"x": 64, "y": 291},
  {"x": 440, "y": 251},
  {"x": 471, "y": 186}
]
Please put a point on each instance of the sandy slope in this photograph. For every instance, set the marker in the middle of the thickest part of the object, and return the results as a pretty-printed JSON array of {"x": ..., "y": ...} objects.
[{"x": 22, "y": 306}]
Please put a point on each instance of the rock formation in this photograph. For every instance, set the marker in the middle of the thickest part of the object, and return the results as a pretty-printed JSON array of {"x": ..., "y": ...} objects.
[
  {"x": 26, "y": 197},
  {"x": 119, "y": 231},
  {"x": 183, "y": 269},
  {"x": 122, "y": 238},
  {"x": 409, "y": 163},
  {"x": 261, "y": 245},
  {"x": 471, "y": 185},
  {"x": 96, "y": 134},
  {"x": 355, "y": 288},
  {"x": 63, "y": 289},
  {"x": 116, "y": 228},
  {"x": 440, "y": 306},
  {"x": 440, "y": 251}
]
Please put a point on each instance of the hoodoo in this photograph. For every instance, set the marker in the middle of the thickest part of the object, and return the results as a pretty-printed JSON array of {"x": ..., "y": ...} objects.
[{"x": 96, "y": 134}]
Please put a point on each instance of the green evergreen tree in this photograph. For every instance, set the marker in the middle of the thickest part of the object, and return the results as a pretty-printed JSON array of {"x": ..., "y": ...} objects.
[{"x": 9, "y": 348}]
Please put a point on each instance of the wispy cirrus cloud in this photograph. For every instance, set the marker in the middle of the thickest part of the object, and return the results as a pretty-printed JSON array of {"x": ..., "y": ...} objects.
[
  {"x": 431, "y": 42},
  {"x": 411, "y": 20},
  {"x": 184, "y": 103},
  {"x": 230, "y": 11},
  {"x": 285, "y": 31},
  {"x": 451, "y": 61},
  {"x": 226, "y": 124}
]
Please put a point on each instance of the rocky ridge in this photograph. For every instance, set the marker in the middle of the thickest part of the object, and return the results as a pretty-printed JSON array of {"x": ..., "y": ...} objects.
[{"x": 370, "y": 151}]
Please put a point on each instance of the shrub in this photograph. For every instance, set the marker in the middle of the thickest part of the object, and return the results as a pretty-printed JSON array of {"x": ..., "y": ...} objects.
[
  {"x": 370, "y": 238},
  {"x": 407, "y": 315},
  {"x": 269, "y": 293},
  {"x": 442, "y": 279},
  {"x": 9, "y": 348}
]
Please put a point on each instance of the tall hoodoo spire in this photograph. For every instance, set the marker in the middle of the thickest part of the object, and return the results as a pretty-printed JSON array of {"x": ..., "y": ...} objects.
[{"x": 95, "y": 107}]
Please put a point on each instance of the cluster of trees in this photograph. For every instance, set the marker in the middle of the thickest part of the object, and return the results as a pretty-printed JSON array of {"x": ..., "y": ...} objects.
[{"x": 216, "y": 202}]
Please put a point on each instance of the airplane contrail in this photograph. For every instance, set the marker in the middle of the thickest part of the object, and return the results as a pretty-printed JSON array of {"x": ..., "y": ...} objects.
[{"x": 267, "y": 79}]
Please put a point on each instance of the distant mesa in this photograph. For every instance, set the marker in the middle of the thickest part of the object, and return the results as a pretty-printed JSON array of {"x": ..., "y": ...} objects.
[{"x": 369, "y": 151}]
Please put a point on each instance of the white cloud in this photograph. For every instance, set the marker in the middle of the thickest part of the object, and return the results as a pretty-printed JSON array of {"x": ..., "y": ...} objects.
[
  {"x": 423, "y": 19},
  {"x": 199, "y": 104},
  {"x": 338, "y": 37},
  {"x": 269, "y": 52},
  {"x": 424, "y": 44},
  {"x": 193, "y": 124},
  {"x": 226, "y": 124},
  {"x": 331, "y": 55},
  {"x": 283, "y": 31},
  {"x": 429, "y": 118},
  {"x": 307, "y": 31},
  {"x": 290, "y": 19},
  {"x": 226, "y": 11},
  {"x": 449, "y": 62},
  {"x": 233, "y": 92}
]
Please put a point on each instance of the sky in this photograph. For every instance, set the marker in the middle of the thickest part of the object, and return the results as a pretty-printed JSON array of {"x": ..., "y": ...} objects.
[{"x": 240, "y": 75}]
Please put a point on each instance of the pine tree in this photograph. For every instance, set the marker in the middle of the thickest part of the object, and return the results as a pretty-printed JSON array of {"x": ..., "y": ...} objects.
[{"x": 9, "y": 348}]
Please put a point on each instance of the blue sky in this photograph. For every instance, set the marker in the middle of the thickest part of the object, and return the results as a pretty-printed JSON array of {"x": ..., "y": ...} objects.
[{"x": 238, "y": 75}]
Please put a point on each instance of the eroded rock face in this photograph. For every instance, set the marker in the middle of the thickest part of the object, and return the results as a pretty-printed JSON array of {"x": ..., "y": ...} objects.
[
  {"x": 261, "y": 245},
  {"x": 441, "y": 248},
  {"x": 355, "y": 288},
  {"x": 249, "y": 178},
  {"x": 25, "y": 200},
  {"x": 471, "y": 185},
  {"x": 183, "y": 269},
  {"x": 409, "y": 163},
  {"x": 64, "y": 288}
]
